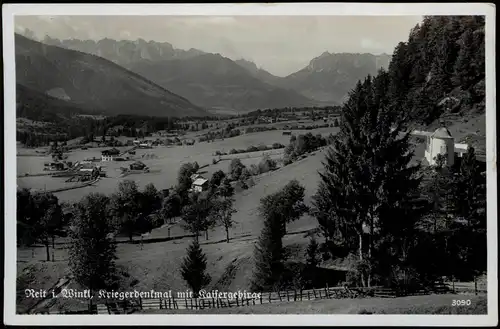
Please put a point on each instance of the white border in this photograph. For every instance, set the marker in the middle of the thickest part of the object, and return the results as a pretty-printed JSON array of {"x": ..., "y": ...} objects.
[{"x": 8, "y": 12}]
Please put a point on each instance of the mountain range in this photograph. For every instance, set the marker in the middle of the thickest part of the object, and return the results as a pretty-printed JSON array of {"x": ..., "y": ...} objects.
[
  {"x": 328, "y": 78},
  {"x": 208, "y": 80},
  {"x": 124, "y": 52},
  {"x": 93, "y": 83},
  {"x": 116, "y": 76},
  {"x": 218, "y": 82}
]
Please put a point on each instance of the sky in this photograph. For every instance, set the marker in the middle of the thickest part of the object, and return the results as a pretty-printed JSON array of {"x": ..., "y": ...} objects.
[{"x": 279, "y": 44}]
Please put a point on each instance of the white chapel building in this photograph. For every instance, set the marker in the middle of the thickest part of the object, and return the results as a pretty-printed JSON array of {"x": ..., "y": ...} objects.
[{"x": 441, "y": 142}]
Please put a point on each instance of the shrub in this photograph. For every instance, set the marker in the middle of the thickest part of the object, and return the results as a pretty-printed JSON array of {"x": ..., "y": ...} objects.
[
  {"x": 245, "y": 174},
  {"x": 262, "y": 147},
  {"x": 252, "y": 149},
  {"x": 250, "y": 182},
  {"x": 254, "y": 170},
  {"x": 233, "y": 151},
  {"x": 267, "y": 164},
  {"x": 236, "y": 169},
  {"x": 240, "y": 186},
  {"x": 287, "y": 160}
]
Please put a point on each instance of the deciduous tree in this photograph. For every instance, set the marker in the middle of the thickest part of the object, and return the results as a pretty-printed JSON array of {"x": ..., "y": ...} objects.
[{"x": 92, "y": 251}]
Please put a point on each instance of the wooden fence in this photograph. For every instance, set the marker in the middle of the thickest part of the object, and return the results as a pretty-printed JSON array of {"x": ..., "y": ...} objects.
[{"x": 176, "y": 303}]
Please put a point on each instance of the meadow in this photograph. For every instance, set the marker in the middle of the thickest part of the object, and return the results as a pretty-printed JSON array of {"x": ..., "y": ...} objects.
[
  {"x": 164, "y": 165},
  {"x": 156, "y": 265}
]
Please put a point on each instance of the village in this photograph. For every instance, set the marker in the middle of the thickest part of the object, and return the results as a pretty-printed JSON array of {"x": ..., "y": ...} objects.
[{"x": 439, "y": 143}]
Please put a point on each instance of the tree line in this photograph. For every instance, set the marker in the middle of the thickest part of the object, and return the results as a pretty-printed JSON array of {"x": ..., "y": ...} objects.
[{"x": 440, "y": 69}]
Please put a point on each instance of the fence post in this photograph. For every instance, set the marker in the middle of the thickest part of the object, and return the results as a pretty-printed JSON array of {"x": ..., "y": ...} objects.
[
  {"x": 261, "y": 298},
  {"x": 237, "y": 304},
  {"x": 327, "y": 292},
  {"x": 270, "y": 297},
  {"x": 185, "y": 299},
  {"x": 140, "y": 302},
  {"x": 314, "y": 292},
  {"x": 279, "y": 294},
  {"x": 308, "y": 295},
  {"x": 301, "y": 293},
  {"x": 161, "y": 306},
  {"x": 294, "y": 295}
]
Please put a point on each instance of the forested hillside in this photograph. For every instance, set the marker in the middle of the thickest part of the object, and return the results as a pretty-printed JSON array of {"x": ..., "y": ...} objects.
[
  {"x": 404, "y": 224},
  {"x": 440, "y": 69}
]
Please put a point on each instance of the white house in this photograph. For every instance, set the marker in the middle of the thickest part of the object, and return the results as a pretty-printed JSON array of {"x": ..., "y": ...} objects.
[
  {"x": 441, "y": 142},
  {"x": 146, "y": 144},
  {"x": 109, "y": 155},
  {"x": 200, "y": 185}
]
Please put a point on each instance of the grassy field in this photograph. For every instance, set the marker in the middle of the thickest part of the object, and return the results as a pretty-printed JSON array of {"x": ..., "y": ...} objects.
[
  {"x": 428, "y": 304},
  {"x": 156, "y": 265},
  {"x": 164, "y": 165}
]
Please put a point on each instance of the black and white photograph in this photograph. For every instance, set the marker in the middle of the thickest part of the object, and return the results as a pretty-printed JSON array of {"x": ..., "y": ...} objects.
[{"x": 305, "y": 161}]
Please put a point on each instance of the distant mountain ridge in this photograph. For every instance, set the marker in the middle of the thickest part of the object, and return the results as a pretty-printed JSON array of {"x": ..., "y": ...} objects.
[
  {"x": 124, "y": 52},
  {"x": 218, "y": 82},
  {"x": 208, "y": 80},
  {"x": 259, "y": 72},
  {"x": 88, "y": 81},
  {"x": 330, "y": 76},
  {"x": 325, "y": 81}
]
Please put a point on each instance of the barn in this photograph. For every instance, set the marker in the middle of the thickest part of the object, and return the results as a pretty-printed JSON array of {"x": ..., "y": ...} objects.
[{"x": 199, "y": 185}]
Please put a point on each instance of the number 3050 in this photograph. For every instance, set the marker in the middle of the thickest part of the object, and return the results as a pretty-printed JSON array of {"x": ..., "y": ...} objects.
[{"x": 461, "y": 302}]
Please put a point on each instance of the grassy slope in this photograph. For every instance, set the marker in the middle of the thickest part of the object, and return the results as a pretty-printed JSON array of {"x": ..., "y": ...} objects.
[{"x": 229, "y": 264}]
